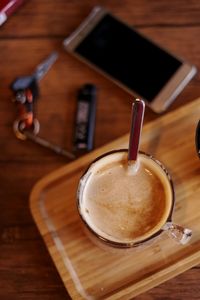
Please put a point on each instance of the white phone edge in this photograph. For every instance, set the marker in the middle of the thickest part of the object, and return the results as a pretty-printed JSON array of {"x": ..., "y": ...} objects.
[{"x": 168, "y": 93}]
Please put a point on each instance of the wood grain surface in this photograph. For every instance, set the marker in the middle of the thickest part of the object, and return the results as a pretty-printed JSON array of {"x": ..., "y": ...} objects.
[
  {"x": 36, "y": 29},
  {"x": 89, "y": 272}
]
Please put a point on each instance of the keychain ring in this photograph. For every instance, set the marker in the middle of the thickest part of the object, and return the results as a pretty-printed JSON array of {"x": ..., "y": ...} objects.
[{"x": 19, "y": 128}]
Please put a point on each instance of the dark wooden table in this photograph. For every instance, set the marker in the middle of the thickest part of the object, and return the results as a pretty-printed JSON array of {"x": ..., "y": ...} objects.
[{"x": 36, "y": 29}]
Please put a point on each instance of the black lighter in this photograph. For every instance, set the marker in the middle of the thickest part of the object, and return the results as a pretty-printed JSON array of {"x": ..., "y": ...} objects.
[{"x": 85, "y": 118}]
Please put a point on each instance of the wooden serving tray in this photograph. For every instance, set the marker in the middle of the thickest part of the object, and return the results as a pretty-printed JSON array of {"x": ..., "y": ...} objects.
[{"x": 92, "y": 273}]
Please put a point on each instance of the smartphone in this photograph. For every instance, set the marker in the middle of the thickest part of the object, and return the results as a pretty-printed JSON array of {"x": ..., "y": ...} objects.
[{"x": 130, "y": 59}]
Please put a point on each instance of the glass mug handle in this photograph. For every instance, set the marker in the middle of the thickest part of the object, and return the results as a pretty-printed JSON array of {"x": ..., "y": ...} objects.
[{"x": 178, "y": 233}]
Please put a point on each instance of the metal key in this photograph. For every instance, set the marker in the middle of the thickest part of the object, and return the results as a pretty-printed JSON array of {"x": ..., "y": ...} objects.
[
  {"x": 29, "y": 84},
  {"x": 26, "y": 90},
  {"x": 31, "y": 136},
  {"x": 24, "y": 82},
  {"x": 23, "y": 134}
]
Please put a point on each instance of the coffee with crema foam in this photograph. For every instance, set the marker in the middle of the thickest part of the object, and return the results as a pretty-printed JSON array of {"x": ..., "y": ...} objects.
[{"x": 123, "y": 206}]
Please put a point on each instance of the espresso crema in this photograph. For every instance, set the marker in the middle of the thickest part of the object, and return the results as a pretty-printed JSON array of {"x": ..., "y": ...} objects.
[{"x": 122, "y": 206}]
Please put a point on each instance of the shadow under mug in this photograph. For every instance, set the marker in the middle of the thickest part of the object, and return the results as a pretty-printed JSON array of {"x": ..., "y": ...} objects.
[{"x": 180, "y": 234}]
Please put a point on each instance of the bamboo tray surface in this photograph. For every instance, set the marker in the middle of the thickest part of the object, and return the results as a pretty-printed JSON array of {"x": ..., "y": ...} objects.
[{"x": 89, "y": 272}]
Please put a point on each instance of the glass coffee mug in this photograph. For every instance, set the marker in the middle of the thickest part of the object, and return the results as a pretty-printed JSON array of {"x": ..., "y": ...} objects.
[{"x": 124, "y": 207}]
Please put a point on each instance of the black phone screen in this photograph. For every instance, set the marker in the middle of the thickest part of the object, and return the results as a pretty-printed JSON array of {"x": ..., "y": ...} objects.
[{"x": 128, "y": 57}]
